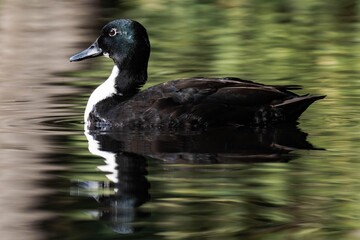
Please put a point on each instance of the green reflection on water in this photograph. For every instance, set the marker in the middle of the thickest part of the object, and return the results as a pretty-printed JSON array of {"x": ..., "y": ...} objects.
[{"x": 313, "y": 43}]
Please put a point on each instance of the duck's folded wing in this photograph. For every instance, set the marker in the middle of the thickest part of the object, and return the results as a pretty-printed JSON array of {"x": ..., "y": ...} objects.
[{"x": 224, "y": 91}]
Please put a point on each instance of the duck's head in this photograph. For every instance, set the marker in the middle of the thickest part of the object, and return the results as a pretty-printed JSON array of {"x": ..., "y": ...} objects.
[{"x": 123, "y": 40}]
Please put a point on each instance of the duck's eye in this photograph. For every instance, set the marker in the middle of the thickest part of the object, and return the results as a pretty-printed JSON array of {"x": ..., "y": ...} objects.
[{"x": 113, "y": 32}]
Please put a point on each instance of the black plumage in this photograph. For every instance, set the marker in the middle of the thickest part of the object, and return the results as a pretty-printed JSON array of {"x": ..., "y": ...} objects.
[{"x": 193, "y": 103}]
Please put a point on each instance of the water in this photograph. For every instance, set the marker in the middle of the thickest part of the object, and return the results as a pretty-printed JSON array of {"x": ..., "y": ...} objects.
[{"x": 283, "y": 183}]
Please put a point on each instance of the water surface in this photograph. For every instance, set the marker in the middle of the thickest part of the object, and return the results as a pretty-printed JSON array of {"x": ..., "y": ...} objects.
[{"x": 269, "y": 183}]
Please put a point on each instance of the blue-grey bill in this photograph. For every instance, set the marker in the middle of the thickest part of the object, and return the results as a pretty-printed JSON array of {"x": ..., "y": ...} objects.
[{"x": 92, "y": 51}]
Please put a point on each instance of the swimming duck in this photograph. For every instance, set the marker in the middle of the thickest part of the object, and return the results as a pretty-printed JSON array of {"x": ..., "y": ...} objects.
[{"x": 187, "y": 104}]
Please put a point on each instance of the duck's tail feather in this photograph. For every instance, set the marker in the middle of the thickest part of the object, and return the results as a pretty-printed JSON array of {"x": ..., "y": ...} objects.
[{"x": 293, "y": 108}]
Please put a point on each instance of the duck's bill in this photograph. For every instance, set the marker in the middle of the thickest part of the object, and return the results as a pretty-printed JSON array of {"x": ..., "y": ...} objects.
[{"x": 92, "y": 51}]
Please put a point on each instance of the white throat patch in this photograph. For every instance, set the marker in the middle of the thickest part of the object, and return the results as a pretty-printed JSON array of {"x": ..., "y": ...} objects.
[{"x": 105, "y": 90}]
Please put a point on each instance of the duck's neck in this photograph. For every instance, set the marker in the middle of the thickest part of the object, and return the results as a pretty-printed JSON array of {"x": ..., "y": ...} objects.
[
  {"x": 124, "y": 82},
  {"x": 105, "y": 90},
  {"x": 132, "y": 75}
]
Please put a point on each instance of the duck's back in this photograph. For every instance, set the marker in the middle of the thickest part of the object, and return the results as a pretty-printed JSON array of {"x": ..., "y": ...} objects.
[{"x": 202, "y": 102}]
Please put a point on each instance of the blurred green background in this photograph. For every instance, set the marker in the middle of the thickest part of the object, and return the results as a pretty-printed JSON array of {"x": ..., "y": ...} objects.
[{"x": 313, "y": 43}]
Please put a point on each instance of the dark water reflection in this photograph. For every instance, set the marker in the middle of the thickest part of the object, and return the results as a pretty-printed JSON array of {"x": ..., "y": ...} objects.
[
  {"x": 269, "y": 183},
  {"x": 133, "y": 161}
]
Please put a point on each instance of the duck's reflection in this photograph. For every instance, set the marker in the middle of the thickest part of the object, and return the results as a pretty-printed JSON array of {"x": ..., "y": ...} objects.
[
  {"x": 126, "y": 153},
  {"x": 130, "y": 190},
  {"x": 126, "y": 190}
]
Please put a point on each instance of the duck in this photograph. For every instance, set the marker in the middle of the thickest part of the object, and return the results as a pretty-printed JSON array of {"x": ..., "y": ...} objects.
[{"x": 185, "y": 104}]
